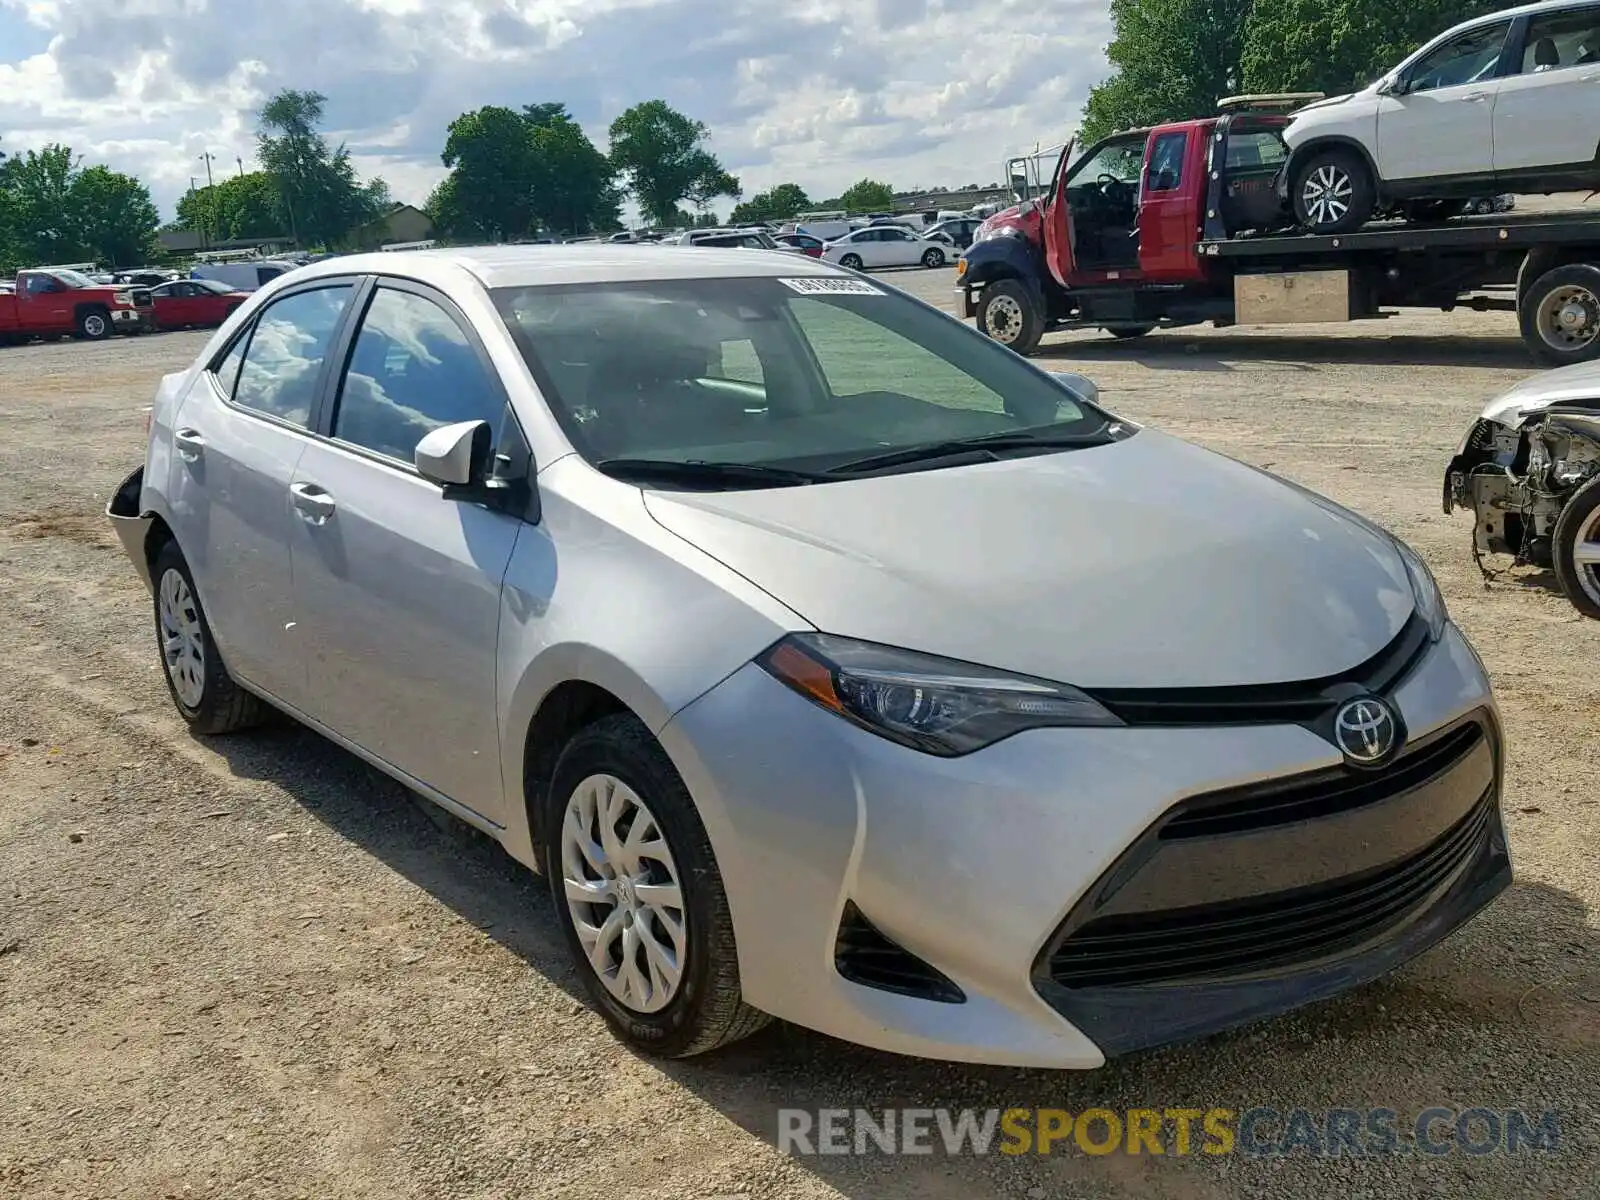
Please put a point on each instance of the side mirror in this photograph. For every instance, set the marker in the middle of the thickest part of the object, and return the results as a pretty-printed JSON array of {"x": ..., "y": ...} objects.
[
  {"x": 1393, "y": 86},
  {"x": 456, "y": 457},
  {"x": 1079, "y": 385}
]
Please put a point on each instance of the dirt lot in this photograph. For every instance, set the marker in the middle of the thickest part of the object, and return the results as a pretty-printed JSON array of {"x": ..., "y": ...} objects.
[{"x": 252, "y": 967}]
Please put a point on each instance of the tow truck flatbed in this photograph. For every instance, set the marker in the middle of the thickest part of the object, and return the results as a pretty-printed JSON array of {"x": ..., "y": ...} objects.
[{"x": 1499, "y": 232}]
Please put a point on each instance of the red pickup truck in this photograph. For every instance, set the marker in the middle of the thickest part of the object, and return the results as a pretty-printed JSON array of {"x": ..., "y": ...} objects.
[
  {"x": 1184, "y": 223},
  {"x": 58, "y": 301}
]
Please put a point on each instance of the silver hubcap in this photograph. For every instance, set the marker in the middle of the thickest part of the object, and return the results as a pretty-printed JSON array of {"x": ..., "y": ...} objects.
[
  {"x": 1002, "y": 320},
  {"x": 623, "y": 893},
  {"x": 1586, "y": 556},
  {"x": 1326, "y": 194},
  {"x": 94, "y": 326},
  {"x": 183, "y": 647},
  {"x": 1569, "y": 318},
  {"x": 851, "y": 261}
]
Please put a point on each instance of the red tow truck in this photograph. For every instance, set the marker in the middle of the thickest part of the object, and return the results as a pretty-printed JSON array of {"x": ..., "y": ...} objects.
[
  {"x": 56, "y": 301},
  {"x": 1183, "y": 223}
]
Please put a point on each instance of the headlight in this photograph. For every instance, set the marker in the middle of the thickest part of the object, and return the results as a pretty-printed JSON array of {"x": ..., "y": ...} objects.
[
  {"x": 1430, "y": 600},
  {"x": 931, "y": 704},
  {"x": 125, "y": 299}
]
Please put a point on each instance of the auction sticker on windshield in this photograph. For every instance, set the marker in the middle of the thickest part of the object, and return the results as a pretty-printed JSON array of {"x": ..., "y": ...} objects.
[{"x": 820, "y": 285}]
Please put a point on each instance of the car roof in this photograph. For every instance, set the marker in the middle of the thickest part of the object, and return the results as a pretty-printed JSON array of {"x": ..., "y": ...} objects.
[{"x": 600, "y": 262}]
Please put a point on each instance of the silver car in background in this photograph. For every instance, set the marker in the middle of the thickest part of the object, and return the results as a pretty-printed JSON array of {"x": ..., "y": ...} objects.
[{"x": 833, "y": 662}]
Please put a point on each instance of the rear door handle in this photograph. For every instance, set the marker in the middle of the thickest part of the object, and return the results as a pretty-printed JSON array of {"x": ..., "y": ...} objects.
[
  {"x": 315, "y": 505},
  {"x": 190, "y": 444}
]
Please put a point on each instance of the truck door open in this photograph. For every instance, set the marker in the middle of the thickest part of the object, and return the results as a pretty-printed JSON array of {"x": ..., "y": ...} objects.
[{"x": 1092, "y": 223}]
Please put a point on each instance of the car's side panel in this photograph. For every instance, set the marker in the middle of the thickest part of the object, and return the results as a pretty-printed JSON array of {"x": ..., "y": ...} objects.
[
  {"x": 599, "y": 592},
  {"x": 1547, "y": 118}
]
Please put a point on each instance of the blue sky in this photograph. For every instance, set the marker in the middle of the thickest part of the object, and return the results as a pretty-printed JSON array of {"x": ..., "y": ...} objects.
[{"x": 822, "y": 92}]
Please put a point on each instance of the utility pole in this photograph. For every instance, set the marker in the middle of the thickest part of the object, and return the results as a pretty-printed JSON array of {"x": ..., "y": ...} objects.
[
  {"x": 205, "y": 241},
  {"x": 211, "y": 188},
  {"x": 240, "y": 161}
]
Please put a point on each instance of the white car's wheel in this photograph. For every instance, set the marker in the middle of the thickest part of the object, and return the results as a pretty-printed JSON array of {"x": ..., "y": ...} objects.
[
  {"x": 851, "y": 262},
  {"x": 205, "y": 694},
  {"x": 1576, "y": 549},
  {"x": 933, "y": 259}
]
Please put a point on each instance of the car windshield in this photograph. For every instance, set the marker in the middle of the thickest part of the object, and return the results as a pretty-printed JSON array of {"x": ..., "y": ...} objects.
[
  {"x": 213, "y": 285},
  {"x": 74, "y": 279},
  {"x": 805, "y": 374}
]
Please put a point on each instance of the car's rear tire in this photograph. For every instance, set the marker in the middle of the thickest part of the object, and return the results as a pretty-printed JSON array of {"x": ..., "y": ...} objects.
[
  {"x": 205, "y": 695},
  {"x": 1577, "y": 539},
  {"x": 851, "y": 262},
  {"x": 629, "y": 892},
  {"x": 1560, "y": 315},
  {"x": 1008, "y": 314},
  {"x": 1125, "y": 332},
  {"x": 1333, "y": 191},
  {"x": 933, "y": 259},
  {"x": 94, "y": 324}
]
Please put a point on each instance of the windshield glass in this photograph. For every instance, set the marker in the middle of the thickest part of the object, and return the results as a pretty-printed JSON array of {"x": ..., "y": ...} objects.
[
  {"x": 803, "y": 373},
  {"x": 74, "y": 279},
  {"x": 213, "y": 285}
]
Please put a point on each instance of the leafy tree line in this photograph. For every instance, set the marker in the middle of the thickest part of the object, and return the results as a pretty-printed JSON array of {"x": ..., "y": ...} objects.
[
  {"x": 1173, "y": 59},
  {"x": 54, "y": 209}
]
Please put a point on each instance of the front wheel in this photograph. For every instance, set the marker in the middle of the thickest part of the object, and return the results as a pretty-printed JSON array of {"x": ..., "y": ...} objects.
[
  {"x": 1126, "y": 332},
  {"x": 1560, "y": 315},
  {"x": 851, "y": 262},
  {"x": 933, "y": 258},
  {"x": 205, "y": 694},
  {"x": 1333, "y": 192},
  {"x": 639, "y": 897},
  {"x": 1576, "y": 549},
  {"x": 95, "y": 324},
  {"x": 1008, "y": 314}
]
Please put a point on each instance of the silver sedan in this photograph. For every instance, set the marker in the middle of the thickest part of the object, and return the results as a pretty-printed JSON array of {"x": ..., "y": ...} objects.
[{"x": 832, "y": 662}]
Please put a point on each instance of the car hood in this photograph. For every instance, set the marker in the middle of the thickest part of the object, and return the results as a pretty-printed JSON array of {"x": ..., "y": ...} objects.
[
  {"x": 1145, "y": 563},
  {"x": 1537, "y": 393}
]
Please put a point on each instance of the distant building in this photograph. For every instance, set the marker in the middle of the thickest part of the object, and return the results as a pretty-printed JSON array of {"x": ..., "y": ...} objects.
[
  {"x": 188, "y": 241},
  {"x": 402, "y": 223}
]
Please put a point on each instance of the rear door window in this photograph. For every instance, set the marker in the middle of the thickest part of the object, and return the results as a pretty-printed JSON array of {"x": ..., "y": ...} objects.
[{"x": 283, "y": 362}]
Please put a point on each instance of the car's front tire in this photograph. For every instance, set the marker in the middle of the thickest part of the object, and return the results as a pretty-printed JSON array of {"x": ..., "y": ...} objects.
[
  {"x": 94, "y": 324},
  {"x": 639, "y": 897},
  {"x": 1333, "y": 191},
  {"x": 933, "y": 259},
  {"x": 851, "y": 262},
  {"x": 1576, "y": 549},
  {"x": 1008, "y": 314},
  {"x": 205, "y": 695}
]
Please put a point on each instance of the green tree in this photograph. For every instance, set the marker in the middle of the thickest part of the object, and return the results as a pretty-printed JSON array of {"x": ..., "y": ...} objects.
[
  {"x": 1337, "y": 46},
  {"x": 572, "y": 181},
  {"x": 39, "y": 186},
  {"x": 316, "y": 182},
  {"x": 867, "y": 195},
  {"x": 1171, "y": 59},
  {"x": 114, "y": 218},
  {"x": 776, "y": 204},
  {"x": 242, "y": 206},
  {"x": 661, "y": 154}
]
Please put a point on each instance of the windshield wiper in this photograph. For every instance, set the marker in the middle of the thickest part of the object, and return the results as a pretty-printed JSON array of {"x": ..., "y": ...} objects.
[
  {"x": 705, "y": 474},
  {"x": 988, "y": 443}
]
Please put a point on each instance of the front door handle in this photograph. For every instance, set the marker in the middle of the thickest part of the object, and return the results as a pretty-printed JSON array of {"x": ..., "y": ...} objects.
[
  {"x": 314, "y": 505},
  {"x": 190, "y": 444}
]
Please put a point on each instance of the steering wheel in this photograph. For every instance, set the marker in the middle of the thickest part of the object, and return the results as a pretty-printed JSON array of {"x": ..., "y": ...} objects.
[{"x": 1114, "y": 190}]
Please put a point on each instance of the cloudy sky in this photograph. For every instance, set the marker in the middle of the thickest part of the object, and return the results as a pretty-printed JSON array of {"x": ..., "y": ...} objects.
[{"x": 822, "y": 92}]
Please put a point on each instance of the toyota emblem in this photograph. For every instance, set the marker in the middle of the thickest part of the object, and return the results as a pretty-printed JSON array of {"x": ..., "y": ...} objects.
[{"x": 1366, "y": 731}]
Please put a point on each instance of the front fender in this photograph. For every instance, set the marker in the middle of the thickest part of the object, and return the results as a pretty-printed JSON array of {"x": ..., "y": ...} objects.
[{"x": 1004, "y": 257}]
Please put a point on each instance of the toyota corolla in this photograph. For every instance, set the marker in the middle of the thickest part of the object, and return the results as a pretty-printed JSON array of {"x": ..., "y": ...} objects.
[{"x": 833, "y": 662}]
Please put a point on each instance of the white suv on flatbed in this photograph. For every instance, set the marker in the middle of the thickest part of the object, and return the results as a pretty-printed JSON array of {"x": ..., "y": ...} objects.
[{"x": 1508, "y": 102}]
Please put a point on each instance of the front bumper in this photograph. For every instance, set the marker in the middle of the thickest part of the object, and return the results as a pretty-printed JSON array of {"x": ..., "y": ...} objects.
[
  {"x": 132, "y": 526},
  {"x": 985, "y": 868},
  {"x": 133, "y": 320}
]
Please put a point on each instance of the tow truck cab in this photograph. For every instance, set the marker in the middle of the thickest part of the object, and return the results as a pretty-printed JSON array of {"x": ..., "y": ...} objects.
[
  {"x": 1115, "y": 241},
  {"x": 49, "y": 303}
]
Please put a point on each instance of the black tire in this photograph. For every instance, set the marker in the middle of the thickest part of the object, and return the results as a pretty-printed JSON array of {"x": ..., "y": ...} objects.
[
  {"x": 1580, "y": 582},
  {"x": 1342, "y": 177},
  {"x": 94, "y": 324},
  {"x": 708, "y": 1010},
  {"x": 933, "y": 259},
  {"x": 1008, "y": 314},
  {"x": 223, "y": 706},
  {"x": 1543, "y": 311},
  {"x": 851, "y": 262},
  {"x": 1124, "y": 332}
]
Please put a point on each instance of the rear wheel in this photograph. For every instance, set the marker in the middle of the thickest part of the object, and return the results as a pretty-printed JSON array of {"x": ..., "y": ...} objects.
[
  {"x": 1008, "y": 314},
  {"x": 933, "y": 258},
  {"x": 1560, "y": 315},
  {"x": 1576, "y": 549},
  {"x": 639, "y": 897},
  {"x": 1125, "y": 332},
  {"x": 205, "y": 694},
  {"x": 1333, "y": 191}
]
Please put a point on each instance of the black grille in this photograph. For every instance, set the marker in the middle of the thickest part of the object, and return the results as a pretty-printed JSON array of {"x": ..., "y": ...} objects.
[
  {"x": 866, "y": 956},
  {"x": 1323, "y": 794},
  {"x": 1304, "y": 703},
  {"x": 142, "y": 297},
  {"x": 1245, "y": 937}
]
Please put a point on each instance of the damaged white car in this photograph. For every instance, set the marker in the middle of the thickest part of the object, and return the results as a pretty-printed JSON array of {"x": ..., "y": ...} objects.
[{"x": 1529, "y": 470}]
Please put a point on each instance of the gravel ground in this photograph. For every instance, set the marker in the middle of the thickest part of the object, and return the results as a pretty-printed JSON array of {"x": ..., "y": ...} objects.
[{"x": 253, "y": 967}]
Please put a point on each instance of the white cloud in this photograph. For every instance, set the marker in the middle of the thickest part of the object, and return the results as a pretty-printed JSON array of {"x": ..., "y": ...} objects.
[{"x": 821, "y": 92}]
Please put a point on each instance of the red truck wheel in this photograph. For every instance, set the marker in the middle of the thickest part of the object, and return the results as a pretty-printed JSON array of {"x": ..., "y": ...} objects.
[
  {"x": 1008, "y": 314},
  {"x": 95, "y": 324}
]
